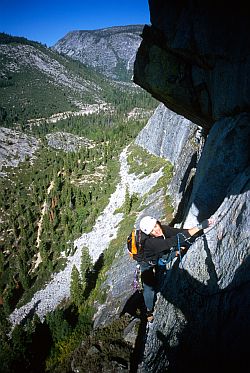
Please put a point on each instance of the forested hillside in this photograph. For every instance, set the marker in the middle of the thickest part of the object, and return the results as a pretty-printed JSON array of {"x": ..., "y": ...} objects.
[
  {"x": 37, "y": 82},
  {"x": 63, "y": 128}
]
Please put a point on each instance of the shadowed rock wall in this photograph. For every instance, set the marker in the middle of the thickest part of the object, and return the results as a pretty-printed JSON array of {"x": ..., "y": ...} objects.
[{"x": 195, "y": 59}]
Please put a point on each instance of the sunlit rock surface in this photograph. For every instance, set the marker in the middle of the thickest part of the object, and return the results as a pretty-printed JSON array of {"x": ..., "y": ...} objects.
[{"x": 110, "y": 50}]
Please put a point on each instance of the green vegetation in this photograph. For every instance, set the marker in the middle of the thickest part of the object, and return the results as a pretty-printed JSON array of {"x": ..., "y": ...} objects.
[
  {"x": 40, "y": 97},
  {"x": 48, "y": 203},
  {"x": 42, "y": 89},
  {"x": 75, "y": 199},
  {"x": 136, "y": 158},
  {"x": 71, "y": 324},
  {"x": 56, "y": 183},
  {"x": 107, "y": 345},
  {"x": 139, "y": 159},
  {"x": 9, "y": 39}
]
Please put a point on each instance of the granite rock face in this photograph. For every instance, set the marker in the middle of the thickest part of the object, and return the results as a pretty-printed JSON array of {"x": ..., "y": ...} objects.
[
  {"x": 15, "y": 147},
  {"x": 224, "y": 158},
  {"x": 111, "y": 50},
  {"x": 180, "y": 141},
  {"x": 195, "y": 58},
  {"x": 201, "y": 315},
  {"x": 166, "y": 134}
]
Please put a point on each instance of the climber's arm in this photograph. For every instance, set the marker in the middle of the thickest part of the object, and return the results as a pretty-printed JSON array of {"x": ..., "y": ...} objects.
[{"x": 203, "y": 225}]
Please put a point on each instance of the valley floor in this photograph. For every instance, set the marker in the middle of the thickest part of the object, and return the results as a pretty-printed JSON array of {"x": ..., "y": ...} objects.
[{"x": 104, "y": 230}]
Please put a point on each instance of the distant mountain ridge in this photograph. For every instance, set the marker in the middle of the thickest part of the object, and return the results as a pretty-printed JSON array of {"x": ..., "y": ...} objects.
[
  {"x": 37, "y": 82},
  {"x": 110, "y": 51}
]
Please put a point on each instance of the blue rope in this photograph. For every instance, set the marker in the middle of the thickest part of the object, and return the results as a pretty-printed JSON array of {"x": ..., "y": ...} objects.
[{"x": 179, "y": 246}]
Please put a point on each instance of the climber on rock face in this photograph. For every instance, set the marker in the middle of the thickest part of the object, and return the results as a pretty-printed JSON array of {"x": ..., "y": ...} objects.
[{"x": 160, "y": 241}]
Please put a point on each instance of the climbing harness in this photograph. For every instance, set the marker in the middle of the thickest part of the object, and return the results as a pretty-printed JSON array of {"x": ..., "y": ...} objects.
[{"x": 167, "y": 260}]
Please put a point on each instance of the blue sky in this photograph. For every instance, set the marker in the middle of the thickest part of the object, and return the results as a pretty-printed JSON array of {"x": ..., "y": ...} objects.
[{"x": 47, "y": 21}]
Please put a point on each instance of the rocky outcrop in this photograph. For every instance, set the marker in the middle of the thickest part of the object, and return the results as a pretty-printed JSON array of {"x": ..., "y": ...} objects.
[
  {"x": 180, "y": 141},
  {"x": 16, "y": 147},
  {"x": 166, "y": 134},
  {"x": 68, "y": 142},
  {"x": 224, "y": 158},
  {"x": 201, "y": 316},
  {"x": 195, "y": 59},
  {"x": 111, "y": 51}
]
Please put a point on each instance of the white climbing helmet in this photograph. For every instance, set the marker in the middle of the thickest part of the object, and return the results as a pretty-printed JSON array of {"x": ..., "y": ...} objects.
[{"x": 147, "y": 224}]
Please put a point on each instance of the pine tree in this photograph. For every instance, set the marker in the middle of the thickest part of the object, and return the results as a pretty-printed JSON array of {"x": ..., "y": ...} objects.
[
  {"x": 86, "y": 262},
  {"x": 76, "y": 290},
  {"x": 58, "y": 325}
]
